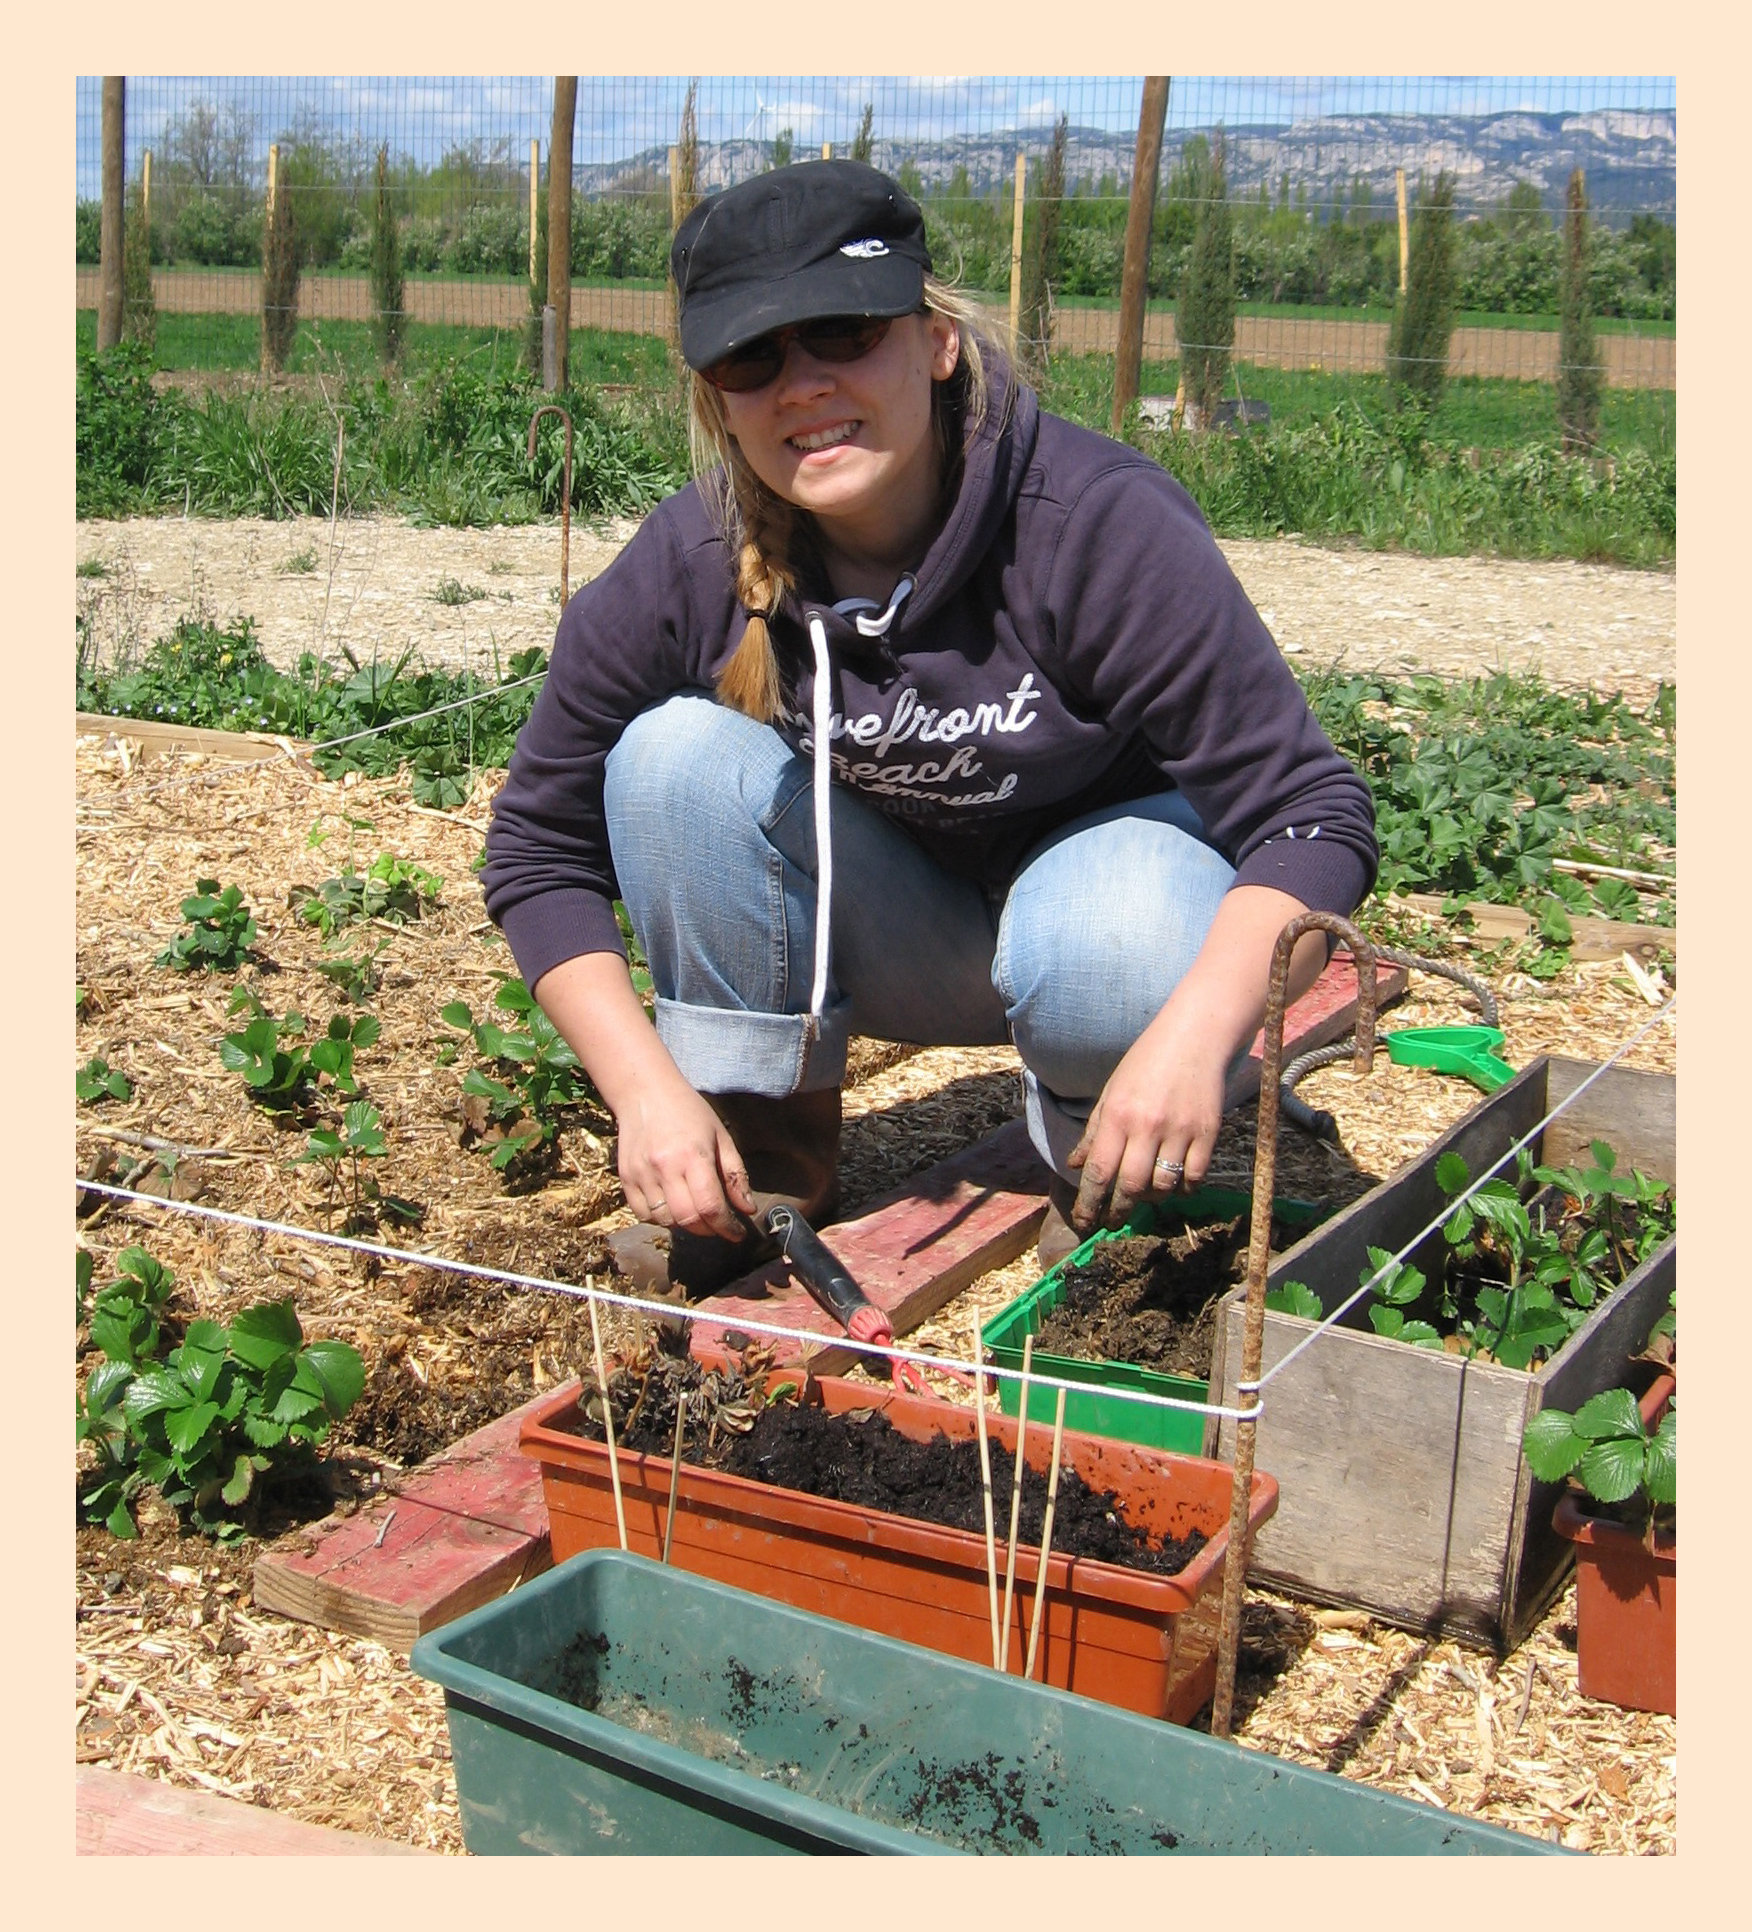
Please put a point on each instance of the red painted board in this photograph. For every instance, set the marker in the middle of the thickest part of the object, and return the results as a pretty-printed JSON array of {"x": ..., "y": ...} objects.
[
  {"x": 118, "y": 1812},
  {"x": 429, "y": 1567},
  {"x": 483, "y": 1478}
]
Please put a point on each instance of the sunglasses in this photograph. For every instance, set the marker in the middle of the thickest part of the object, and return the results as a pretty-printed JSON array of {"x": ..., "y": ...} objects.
[{"x": 834, "y": 338}]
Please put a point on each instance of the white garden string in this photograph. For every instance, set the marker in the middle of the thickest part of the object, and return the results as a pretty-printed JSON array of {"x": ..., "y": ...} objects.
[
  {"x": 888, "y": 1351},
  {"x": 666, "y": 1310}
]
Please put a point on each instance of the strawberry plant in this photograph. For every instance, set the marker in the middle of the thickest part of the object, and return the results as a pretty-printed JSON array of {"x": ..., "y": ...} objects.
[
  {"x": 1613, "y": 1455},
  {"x": 359, "y": 1138},
  {"x": 97, "y": 1080},
  {"x": 392, "y": 889},
  {"x": 209, "y": 1424},
  {"x": 218, "y": 931},
  {"x": 1519, "y": 1275},
  {"x": 125, "y": 1314},
  {"x": 277, "y": 1068},
  {"x": 516, "y": 1113}
]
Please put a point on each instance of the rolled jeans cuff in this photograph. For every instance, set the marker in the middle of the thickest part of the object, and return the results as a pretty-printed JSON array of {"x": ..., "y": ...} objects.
[
  {"x": 724, "y": 1051},
  {"x": 1052, "y": 1126}
]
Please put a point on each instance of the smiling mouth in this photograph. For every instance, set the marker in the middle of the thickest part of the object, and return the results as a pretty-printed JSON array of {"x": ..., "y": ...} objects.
[{"x": 824, "y": 438}]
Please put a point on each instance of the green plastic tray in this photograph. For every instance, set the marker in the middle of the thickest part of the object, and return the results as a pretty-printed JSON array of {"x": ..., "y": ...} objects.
[
  {"x": 1109, "y": 1415},
  {"x": 721, "y": 1722}
]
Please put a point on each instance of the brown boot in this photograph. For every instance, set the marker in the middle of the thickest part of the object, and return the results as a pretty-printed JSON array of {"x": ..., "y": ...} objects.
[
  {"x": 1057, "y": 1237},
  {"x": 790, "y": 1147}
]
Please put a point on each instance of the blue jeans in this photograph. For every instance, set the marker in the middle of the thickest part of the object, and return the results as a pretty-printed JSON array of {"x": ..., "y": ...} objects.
[{"x": 711, "y": 824}]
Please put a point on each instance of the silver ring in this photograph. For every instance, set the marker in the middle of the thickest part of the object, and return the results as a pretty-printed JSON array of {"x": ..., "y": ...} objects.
[
  {"x": 659, "y": 1205},
  {"x": 1176, "y": 1168}
]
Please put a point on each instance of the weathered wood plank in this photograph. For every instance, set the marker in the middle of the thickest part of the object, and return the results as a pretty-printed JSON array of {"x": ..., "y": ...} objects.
[
  {"x": 1404, "y": 1490},
  {"x": 118, "y": 1812},
  {"x": 459, "y": 1530},
  {"x": 155, "y": 737},
  {"x": 1592, "y": 938},
  {"x": 430, "y": 1567}
]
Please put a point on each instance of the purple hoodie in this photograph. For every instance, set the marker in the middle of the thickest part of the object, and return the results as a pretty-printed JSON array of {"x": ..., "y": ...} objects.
[{"x": 1073, "y": 638}]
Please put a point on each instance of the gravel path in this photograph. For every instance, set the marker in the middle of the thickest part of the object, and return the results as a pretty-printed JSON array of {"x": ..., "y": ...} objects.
[{"x": 374, "y": 585}]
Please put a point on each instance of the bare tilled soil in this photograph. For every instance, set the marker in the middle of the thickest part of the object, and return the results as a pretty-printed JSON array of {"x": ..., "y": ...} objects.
[{"x": 371, "y": 584}]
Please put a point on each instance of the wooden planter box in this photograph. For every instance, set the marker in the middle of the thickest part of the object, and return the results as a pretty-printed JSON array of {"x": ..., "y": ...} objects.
[
  {"x": 1143, "y": 1642},
  {"x": 1403, "y": 1488}
]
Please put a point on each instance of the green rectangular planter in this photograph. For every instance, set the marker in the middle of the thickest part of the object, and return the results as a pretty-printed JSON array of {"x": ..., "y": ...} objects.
[
  {"x": 1101, "y": 1414},
  {"x": 726, "y": 1723}
]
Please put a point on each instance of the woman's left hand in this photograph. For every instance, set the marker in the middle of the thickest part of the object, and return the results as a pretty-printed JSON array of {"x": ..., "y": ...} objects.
[{"x": 1154, "y": 1128}]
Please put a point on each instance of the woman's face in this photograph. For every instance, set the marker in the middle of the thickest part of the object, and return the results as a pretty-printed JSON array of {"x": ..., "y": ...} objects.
[{"x": 851, "y": 442}]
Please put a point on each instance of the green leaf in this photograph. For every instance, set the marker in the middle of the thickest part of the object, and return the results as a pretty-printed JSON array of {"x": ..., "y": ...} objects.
[
  {"x": 261, "y": 1430},
  {"x": 186, "y": 1428},
  {"x": 1611, "y": 1413},
  {"x": 120, "y": 1521},
  {"x": 1612, "y": 1470},
  {"x": 154, "y": 1390},
  {"x": 338, "y": 1374},
  {"x": 457, "y": 1014},
  {"x": 1452, "y": 1173},
  {"x": 1295, "y": 1298},
  {"x": 1554, "y": 923},
  {"x": 266, "y": 1334},
  {"x": 238, "y": 1488},
  {"x": 1387, "y": 1321},
  {"x": 367, "y": 1030},
  {"x": 1661, "y": 1462}
]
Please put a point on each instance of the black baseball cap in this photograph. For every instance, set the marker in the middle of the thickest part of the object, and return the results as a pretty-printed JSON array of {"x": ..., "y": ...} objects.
[{"x": 814, "y": 239}]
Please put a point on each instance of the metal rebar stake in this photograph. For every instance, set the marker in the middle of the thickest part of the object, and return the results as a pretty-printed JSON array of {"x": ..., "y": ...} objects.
[
  {"x": 554, "y": 409},
  {"x": 1258, "y": 1253}
]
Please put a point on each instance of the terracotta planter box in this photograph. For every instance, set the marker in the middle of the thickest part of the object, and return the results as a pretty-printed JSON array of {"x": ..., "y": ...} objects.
[
  {"x": 1627, "y": 1599},
  {"x": 1145, "y": 1643},
  {"x": 1405, "y": 1492}
]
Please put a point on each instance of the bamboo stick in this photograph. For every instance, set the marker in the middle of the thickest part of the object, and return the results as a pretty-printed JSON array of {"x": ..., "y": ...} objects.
[
  {"x": 620, "y": 1515},
  {"x": 1058, "y": 1443},
  {"x": 985, "y": 1475},
  {"x": 1016, "y": 1494},
  {"x": 674, "y": 1469}
]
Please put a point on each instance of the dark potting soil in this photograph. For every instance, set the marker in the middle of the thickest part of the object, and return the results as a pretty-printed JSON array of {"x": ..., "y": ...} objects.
[
  {"x": 1151, "y": 1299},
  {"x": 862, "y": 1458},
  {"x": 867, "y": 1461}
]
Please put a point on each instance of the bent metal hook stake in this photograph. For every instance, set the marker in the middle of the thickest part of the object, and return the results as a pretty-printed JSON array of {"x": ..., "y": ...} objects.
[
  {"x": 1258, "y": 1252},
  {"x": 554, "y": 409}
]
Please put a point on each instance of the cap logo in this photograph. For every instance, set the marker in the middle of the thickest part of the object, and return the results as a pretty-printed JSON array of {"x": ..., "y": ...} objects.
[{"x": 863, "y": 250}]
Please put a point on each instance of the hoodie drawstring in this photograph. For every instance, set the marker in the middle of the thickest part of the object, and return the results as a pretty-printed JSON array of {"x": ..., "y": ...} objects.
[{"x": 822, "y": 725}]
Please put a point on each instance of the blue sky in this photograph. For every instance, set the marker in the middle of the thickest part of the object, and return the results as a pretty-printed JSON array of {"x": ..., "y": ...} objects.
[{"x": 620, "y": 115}]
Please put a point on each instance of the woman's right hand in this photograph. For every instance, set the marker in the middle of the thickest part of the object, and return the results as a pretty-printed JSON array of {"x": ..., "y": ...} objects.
[{"x": 678, "y": 1165}]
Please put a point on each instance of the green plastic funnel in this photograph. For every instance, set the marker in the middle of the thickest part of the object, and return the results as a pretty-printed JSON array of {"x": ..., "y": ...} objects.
[{"x": 1466, "y": 1050}]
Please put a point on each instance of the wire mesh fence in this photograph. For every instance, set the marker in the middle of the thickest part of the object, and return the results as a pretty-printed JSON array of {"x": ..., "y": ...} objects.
[{"x": 1313, "y": 173}]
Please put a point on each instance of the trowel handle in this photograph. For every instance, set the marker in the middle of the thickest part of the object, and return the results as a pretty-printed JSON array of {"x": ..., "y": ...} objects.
[{"x": 829, "y": 1285}]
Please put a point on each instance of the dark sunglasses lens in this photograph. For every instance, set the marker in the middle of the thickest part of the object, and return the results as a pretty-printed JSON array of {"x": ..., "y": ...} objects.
[
  {"x": 838, "y": 338},
  {"x": 843, "y": 338},
  {"x": 752, "y": 367}
]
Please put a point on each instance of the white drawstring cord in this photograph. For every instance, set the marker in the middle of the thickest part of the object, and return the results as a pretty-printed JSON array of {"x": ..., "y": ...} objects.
[{"x": 823, "y": 722}]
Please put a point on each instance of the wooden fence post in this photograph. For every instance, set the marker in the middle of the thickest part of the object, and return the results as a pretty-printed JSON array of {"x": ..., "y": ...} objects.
[
  {"x": 560, "y": 227},
  {"x": 534, "y": 204},
  {"x": 146, "y": 194},
  {"x": 674, "y": 187},
  {"x": 827, "y": 150},
  {"x": 1134, "y": 277},
  {"x": 1016, "y": 250},
  {"x": 110, "y": 241},
  {"x": 1404, "y": 232}
]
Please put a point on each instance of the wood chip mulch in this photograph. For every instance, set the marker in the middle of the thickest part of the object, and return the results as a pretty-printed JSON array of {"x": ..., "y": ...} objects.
[{"x": 178, "y": 1676}]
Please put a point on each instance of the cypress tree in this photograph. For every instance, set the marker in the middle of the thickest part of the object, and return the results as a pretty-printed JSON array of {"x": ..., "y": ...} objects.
[
  {"x": 388, "y": 288},
  {"x": 865, "y": 141},
  {"x": 1579, "y": 372},
  {"x": 1423, "y": 321},
  {"x": 1040, "y": 258},
  {"x": 1204, "y": 313},
  {"x": 139, "y": 306},
  {"x": 280, "y": 270}
]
